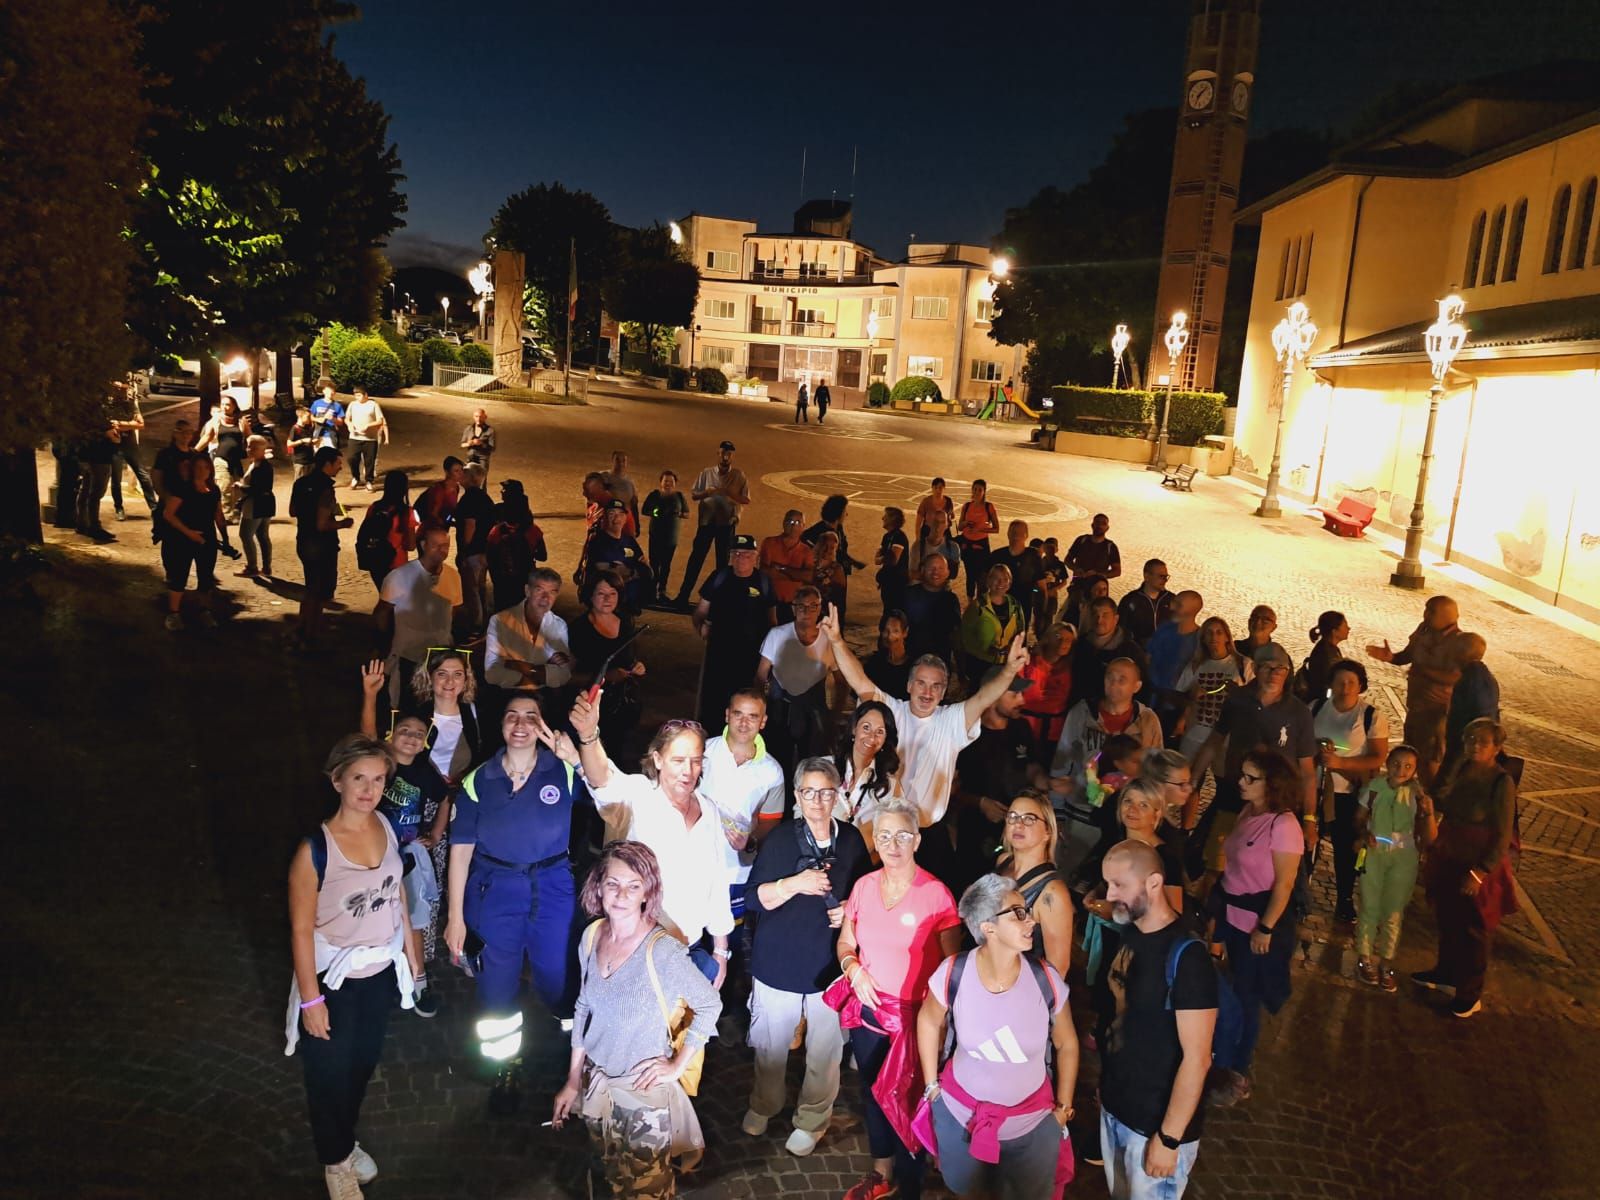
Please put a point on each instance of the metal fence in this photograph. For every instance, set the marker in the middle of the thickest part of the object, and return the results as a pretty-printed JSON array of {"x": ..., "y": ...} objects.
[
  {"x": 466, "y": 379},
  {"x": 547, "y": 382}
]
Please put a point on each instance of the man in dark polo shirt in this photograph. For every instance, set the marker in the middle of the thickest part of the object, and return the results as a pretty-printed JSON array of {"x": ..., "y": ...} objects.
[
  {"x": 1266, "y": 714},
  {"x": 1093, "y": 553},
  {"x": 736, "y": 609},
  {"x": 318, "y": 519}
]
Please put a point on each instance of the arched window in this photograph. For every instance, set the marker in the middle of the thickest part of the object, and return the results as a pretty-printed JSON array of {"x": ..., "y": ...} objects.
[
  {"x": 1469, "y": 273},
  {"x": 1491, "y": 257},
  {"x": 1581, "y": 224},
  {"x": 1519, "y": 223},
  {"x": 1557, "y": 236}
]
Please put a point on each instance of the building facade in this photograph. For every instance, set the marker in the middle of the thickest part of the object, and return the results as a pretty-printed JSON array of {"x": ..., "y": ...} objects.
[
  {"x": 1489, "y": 192},
  {"x": 815, "y": 305}
]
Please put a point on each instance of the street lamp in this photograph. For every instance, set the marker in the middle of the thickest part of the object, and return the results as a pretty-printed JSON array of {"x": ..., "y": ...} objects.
[
  {"x": 1291, "y": 339},
  {"x": 676, "y": 232},
  {"x": 1119, "y": 346},
  {"x": 444, "y": 302},
  {"x": 1443, "y": 340},
  {"x": 1176, "y": 338},
  {"x": 1000, "y": 267}
]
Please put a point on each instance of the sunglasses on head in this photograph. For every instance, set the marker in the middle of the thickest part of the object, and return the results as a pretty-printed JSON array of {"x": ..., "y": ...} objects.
[
  {"x": 676, "y": 724},
  {"x": 435, "y": 653}
]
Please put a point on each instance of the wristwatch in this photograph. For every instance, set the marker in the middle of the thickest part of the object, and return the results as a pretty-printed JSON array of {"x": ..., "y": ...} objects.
[{"x": 1171, "y": 1143}]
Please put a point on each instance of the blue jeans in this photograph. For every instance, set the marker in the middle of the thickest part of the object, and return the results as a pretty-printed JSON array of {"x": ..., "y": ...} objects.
[{"x": 1124, "y": 1153}]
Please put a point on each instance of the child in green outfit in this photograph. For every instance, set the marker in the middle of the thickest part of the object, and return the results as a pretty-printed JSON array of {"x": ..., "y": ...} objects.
[{"x": 1394, "y": 818}]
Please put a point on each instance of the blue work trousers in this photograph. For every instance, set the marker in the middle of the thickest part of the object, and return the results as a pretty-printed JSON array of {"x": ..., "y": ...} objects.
[{"x": 523, "y": 914}]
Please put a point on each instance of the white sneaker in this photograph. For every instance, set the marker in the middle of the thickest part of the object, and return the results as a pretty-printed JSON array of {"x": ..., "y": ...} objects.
[
  {"x": 361, "y": 1162},
  {"x": 802, "y": 1142},
  {"x": 754, "y": 1123},
  {"x": 342, "y": 1182}
]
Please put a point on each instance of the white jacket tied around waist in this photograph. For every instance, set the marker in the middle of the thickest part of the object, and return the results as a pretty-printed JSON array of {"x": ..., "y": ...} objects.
[{"x": 334, "y": 964}]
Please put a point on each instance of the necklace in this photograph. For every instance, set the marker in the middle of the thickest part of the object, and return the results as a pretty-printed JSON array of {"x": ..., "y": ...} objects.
[
  {"x": 619, "y": 952},
  {"x": 518, "y": 776}
]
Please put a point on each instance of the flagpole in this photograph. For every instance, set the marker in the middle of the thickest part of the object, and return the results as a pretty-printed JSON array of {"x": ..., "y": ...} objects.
[{"x": 572, "y": 306}]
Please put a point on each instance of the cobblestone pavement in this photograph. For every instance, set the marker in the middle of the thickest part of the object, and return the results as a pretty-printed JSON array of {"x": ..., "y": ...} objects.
[{"x": 164, "y": 781}]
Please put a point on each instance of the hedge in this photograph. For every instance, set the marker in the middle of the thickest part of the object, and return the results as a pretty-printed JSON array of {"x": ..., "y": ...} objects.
[
  {"x": 437, "y": 350},
  {"x": 1127, "y": 413},
  {"x": 410, "y": 357},
  {"x": 712, "y": 381},
  {"x": 476, "y": 356},
  {"x": 677, "y": 377},
  {"x": 916, "y": 387},
  {"x": 368, "y": 362},
  {"x": 877, "y": 394}
]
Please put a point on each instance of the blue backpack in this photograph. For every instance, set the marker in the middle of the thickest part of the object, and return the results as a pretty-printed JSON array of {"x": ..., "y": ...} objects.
[{"x": 1230, "y": 1015}]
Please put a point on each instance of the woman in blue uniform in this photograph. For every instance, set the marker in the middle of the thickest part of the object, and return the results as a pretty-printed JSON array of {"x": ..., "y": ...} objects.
[{"x": 511, "y": 883}]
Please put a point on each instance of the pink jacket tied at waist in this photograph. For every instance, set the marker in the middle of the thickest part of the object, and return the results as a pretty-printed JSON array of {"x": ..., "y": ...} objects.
[
  {"x": 983, "y": 1130},
  {"x": 899, "y": 1082}
]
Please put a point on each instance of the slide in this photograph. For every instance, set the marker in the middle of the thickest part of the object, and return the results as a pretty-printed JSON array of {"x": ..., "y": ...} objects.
[{"x": 1012, "y": 396}]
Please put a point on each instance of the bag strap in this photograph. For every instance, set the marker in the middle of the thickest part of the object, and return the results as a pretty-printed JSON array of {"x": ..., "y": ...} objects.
[
  {"x": 952, "y": 985},
  {"x": 318, "y": 842},
  {"x": 1178, "y": 947},
  {"x": 655, "y": 979},
  {"x": 1045, "y": 874}
]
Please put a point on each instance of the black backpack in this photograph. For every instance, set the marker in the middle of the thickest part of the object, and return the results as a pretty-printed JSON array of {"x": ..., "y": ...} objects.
[{"x": 373, "y": 548}]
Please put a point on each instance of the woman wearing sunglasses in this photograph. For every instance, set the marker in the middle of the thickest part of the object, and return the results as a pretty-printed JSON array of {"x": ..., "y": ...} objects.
[
  {"x": 1254, "y": 923},
  {"x": 999, "y": 1113},
  {"x": 1029, "y": 861},
  {"x": 899, "y": 924},
  {"x": 794, "y": 902}
]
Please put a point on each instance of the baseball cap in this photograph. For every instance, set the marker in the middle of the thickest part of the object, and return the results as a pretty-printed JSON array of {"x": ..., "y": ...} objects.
[
  {"x": 744, "y": 541},
  {"x": 615, "y": 505},
  {"x": 1274, "y": 654},
  {"x": 726, "y": 446},
  {"x": 1018, "y": 683}
]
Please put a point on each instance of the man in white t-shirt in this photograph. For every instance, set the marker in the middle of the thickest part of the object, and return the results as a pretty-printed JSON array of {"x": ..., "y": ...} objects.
[
  {"x": 364, "y": 419},
  {"x": 746, "y": 785},
  {"x": 931, "y": 735},
  {"x": 417, "y": 607},
  {"x": 796, "y": 681},
  {"x": 528, "y": 646}
]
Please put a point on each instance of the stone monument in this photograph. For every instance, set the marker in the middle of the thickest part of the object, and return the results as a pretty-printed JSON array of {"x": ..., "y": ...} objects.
[{"x": 508, "y": 282}]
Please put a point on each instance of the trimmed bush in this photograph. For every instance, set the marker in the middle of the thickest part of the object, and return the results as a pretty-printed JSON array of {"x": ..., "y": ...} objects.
[
  {"x": 877, "y": 394},
  {"x": 410, "y": 357},
  {"x": 476, "y": 356},
  {"x": 677, "y": 378},
  {"x": 916, "y": 387},
  {"x": 339, "y": 337},
  {"x": 1128, "y": 413},
  {"x": 712, "y": 381},
  {"x": 437, "y": 350},
  {"x": 368, "y": 362}
]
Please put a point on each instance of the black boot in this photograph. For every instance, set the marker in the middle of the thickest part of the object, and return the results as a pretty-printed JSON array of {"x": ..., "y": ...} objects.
[{"x": 505, "y": 1097}]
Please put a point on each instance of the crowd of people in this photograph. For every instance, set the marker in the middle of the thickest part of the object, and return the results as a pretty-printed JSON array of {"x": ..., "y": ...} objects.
[{"x": 1039, "y": 823}]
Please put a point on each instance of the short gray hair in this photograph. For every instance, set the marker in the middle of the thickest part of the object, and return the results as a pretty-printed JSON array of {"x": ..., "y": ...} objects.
[
  {"x": 476, "y": 472},
  {"x": 981, "y": 903},
  {"x": 898, "y": 806},
  {"x": 817, "y": 765},
  {"x": 930, "y": 660}
]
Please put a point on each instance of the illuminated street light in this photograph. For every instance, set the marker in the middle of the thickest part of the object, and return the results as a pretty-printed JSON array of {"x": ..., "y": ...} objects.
[
  {"x": 444, "y": 302},
  {"x": 480, "y": 277},
  {"x": 1000, "y": 267},
  {"x": 1291, "y": 339},
  {"x": 1119, "y": 346},
  {"x": 1175, "y": 339},
  {"x": 1443, "y": 341},
  {"x": 677, "y": 232}
]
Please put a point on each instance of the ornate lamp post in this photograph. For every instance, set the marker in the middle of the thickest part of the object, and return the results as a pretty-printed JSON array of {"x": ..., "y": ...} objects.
[
  {"x": 1119, "y": 346},
  {"x": 444, "y": 302},
  {"x": 1291, "y": 338},
  {"x": 1444, "y": 340},
  {"x": 1176, "y": 338}
]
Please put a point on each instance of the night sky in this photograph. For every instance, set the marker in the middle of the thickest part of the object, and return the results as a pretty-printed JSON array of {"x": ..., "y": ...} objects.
[{"x": 662, "y": 109}]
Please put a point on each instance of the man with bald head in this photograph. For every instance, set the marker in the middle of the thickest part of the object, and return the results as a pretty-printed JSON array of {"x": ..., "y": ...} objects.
[{"x": 1156, "y": 1049}]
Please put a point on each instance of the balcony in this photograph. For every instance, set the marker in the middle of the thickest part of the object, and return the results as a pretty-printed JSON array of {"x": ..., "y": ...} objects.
[
  {"x": 768, "y": 274},
  {"x": 815, "y": 329}
]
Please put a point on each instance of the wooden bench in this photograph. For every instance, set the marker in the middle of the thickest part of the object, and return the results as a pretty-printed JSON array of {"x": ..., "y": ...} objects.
[
  {"x": 1350, "y": 519},
  {"x": 1180, "y": 479}
]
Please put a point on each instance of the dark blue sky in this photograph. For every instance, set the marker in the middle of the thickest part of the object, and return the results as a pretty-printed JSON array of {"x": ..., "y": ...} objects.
[{"x": 958, "y": 110}]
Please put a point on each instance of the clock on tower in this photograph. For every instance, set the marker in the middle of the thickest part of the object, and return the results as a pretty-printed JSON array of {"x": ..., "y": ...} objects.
[{"x": 1207, "y": 157}]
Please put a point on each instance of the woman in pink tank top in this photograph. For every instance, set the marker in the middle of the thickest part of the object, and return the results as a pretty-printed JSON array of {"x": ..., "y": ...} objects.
[{"x": 354, "y": 948}]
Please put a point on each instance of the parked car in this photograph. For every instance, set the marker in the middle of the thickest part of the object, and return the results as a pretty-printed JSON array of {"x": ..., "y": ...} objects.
[{"x": 176, "y": 375}]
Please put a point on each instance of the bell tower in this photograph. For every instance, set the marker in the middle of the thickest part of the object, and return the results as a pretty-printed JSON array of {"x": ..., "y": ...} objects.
[{"x": 1207, "y": 158}]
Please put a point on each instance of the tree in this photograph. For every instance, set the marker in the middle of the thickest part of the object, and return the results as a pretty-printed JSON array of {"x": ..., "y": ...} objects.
[
  {"x": 269, "y": 191},
  {"x": 546, "y": 222},
  {"x": 69, "y": 116},
  {"x": 652, "y": 285}
]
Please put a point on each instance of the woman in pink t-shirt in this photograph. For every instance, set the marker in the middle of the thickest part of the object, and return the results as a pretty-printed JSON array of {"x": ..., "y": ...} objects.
[
  {"x": 899, "y": 924},
  {"x": 1263, "y": 857},
  {"x": 994, "y": 1101}
]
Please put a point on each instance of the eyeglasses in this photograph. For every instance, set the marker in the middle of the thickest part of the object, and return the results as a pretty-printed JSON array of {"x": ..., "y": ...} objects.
[
  {"x": 675, "y": 724},
  {"x": 901, "y": 838},
  {"x": 815, "y": 793},
  {"x": 1247, "y": 777},
  {"x": 1186, "y": 785},
  {"x": 1018, "y": 911},
  {"x": 1026, "y": 820}
]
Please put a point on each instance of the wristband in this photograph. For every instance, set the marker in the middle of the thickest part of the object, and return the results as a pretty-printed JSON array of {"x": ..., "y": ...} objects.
[
  {"x": 1263, "y": 927},
  {"x": 321, "y": 999},
  {"x": 589, "y": 741},
  {"x": 929, "y": 1092},
  {"x": 722, "y": 953}
]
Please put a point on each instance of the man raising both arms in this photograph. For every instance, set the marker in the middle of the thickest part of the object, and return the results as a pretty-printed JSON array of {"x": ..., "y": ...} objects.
[{"x": 931, "y": 737}]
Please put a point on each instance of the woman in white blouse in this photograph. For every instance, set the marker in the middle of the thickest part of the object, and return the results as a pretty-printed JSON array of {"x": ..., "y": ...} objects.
[{"x": 868, "y": 759}]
